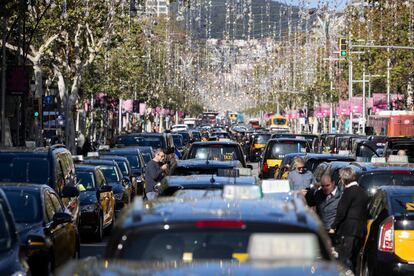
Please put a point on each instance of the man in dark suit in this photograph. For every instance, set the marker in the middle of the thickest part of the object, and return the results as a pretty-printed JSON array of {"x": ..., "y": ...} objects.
[
  {"x": 351, "y": 219},
  {"x": 325, "y": 200}
]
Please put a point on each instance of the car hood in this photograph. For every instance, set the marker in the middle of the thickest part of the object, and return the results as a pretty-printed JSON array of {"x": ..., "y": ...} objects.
[
  {"x": 93, "y": 266},
  {"x": 88, "y": 197}
]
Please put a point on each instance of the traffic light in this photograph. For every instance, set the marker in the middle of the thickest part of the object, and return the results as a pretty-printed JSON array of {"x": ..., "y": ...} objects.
[
  {"x": 37, "y": 108},
  {"x": 343, "y": 47}
]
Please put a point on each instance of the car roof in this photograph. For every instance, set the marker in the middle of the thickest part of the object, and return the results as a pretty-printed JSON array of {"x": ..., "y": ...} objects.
[
  {"x": 85, "y": 167},
  {"x": 326, "y": 156},
  {"x": 99, "y": 162},
  {"x": 398, "y": 190},
  {"x": 202, "y": 180},
  {"x": 215, "y": 143},
  {"x": 380, "y": 167},
  {"x": 126, "y": 150},
  {"x": 113, "y": 157},
  {"x": 23, "y": 186},
  {"x": 277, "y": 140},
  {"x": 201, "y": 163},
  {"x": 173, "y": 209}
]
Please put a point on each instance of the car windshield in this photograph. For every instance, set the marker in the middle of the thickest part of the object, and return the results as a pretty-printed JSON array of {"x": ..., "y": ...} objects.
[
  {"x": 25, "y": 205},
  {"x": 280, "y": 149},
  {"x": 215, "y": 152},
  {"x": 262, "y": 138},
  {"x": 86, "y": 179},
  {"x": 178, "y": 141},
  {"x": 147, "y": 156},
  {"x": 123, "y": 166},
  {"x": 29, "y": 170},
  {"x": 279, "y": 121},
  {"x": 402, "y": 204},
  {"x": 370, "y": 182},
  {"x": 5, "y": 238},
  {"x": 190, "y": 245},
  {"x": 110, "y": 173}
]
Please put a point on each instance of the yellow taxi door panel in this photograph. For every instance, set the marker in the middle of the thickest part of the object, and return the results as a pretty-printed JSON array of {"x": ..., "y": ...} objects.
[
  {"x": 259, "y": 146},
  {"x": 404, "y": 244},
  {"x": 369, "y": 223},
  {"x": 274, "y": 162}
]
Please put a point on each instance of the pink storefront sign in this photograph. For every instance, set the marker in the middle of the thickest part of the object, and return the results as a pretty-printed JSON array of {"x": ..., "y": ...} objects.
[
  {"x": 142, "y": 107},
  {"x": 127, "y": 105}
]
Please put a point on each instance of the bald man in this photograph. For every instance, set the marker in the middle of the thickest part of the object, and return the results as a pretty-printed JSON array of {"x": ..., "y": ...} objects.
[{"x": 325, "y": 199}]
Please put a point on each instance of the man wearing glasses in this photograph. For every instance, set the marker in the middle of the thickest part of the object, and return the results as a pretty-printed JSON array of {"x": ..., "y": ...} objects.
[
  {"x": 154, "y": 172},
  {"x": 300, "y": 179}
]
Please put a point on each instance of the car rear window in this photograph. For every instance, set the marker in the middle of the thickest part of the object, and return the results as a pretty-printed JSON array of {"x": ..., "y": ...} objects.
[
  {"x": 201, "y": 244},
  {"x": 25, "y": 205},
  {"x": 178, "y": 141},
  {"x": 371, "y": 181},
  {"x": 29, "y": 170},
  {"x": 262, "y": 138},
  {"x": 278, "y": 150},
  {"x": 215, "y": 152},
  {"x": 110, "y": 173},
  {"x": 142, "y": 141}
]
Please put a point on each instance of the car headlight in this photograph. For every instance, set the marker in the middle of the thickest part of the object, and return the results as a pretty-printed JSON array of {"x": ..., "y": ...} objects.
[
  {"x": 118, "y": 196},
  {"x": 88, "y": 208}
]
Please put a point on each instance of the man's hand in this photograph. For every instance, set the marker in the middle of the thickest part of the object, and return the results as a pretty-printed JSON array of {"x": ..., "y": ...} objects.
[
  {"x": 304, "y": 192},
  {"x": 331, "y": 231},
  {"x": 164, "y": 167}
]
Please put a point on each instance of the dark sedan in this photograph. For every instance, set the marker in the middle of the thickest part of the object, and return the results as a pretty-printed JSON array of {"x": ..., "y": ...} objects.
[
  {"x": 46, "y": 228},
  {"x": 114, "y": 178},
  {"x": 12, "y": 262}
]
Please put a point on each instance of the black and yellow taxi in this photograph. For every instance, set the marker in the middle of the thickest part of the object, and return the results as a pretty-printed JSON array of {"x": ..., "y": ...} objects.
[
  {"x": 389, "y": 246},
  {"x": 373, "y": 175},
  {"x": 276, "y": 150},
  {"x": 217, "y": 150},
  {"x": 218, "y": 228},
  {"x": 257, "y": 145},
  {"x": 97, "y": 201}
]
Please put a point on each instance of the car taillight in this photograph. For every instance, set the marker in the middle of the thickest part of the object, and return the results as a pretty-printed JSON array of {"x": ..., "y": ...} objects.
[
  {"x": 400, "y": 172},
  {"x": 220, "y": 224},
  {"x": 386, "y": 236},
  {"x": 265, "y": 168}
]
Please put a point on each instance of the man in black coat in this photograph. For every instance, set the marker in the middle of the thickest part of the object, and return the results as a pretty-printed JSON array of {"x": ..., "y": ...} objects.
[{"x": 351, "y": 219}]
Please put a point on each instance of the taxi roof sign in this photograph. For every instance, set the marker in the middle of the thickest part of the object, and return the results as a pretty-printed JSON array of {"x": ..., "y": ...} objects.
[
  {"x": 377, "y": 160},
  {"x": 283, "y": 246},
  {"x": 409, "y": 206},
  {"x": 398, "y": 159},
  {"x": 275, "y": 186},
  {"x": 242, "y": 192},
  {"x": 92, "y": 154}
]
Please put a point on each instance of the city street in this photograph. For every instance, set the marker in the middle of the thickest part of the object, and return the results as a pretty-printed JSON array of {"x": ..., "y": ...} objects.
[{"x": 206, "y": 137}]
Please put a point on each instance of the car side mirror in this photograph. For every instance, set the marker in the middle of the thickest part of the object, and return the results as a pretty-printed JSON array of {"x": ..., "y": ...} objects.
[
  {"x": 36, "y": 242},
  {"x": 61, "y": 218},
  {"x": 105, "y": 189},
  {"x": 69, "y": 191},
  {"x": 158, "y": 187},
  {"x": 249, "y": 166}
]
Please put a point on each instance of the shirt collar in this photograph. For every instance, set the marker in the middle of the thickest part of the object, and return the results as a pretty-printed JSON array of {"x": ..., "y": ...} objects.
[
  {"x": 354, "y": 183},
  {"x": 334, "y": 191}
]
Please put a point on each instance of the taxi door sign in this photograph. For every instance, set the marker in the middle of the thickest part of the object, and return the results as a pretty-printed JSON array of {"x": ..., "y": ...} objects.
[{"x": 409, "y": 206}]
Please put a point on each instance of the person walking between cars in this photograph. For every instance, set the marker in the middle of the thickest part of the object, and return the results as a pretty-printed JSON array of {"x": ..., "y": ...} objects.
[
  {"x": 325, "y": 199},
  {"x": 155, "y": 171},
  {"x": 351, "y": 219},
  {"x": 300, "y": 179}
]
